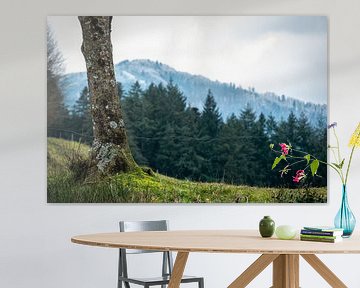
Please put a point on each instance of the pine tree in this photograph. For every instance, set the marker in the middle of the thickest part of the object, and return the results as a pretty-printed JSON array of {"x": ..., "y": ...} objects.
[
  {"x": 176, "y": 102},
  {"x": 247, "y": 119},
  {"x": 210, "y": 117},
  {"x": 287, "y": 131},
  {"x": 263, "y": 153},
  {"x": 210, "y": 126},
  {"x": 120, "y": 90},
  {"x": 171, "y": 144},
  {"x": 248, "y": 153},
  {"x": 189, "y": 162},
  {"x": 154, "y": 122},
  {"x": 135, "y": 90},
  {"x": 134, "y": 117},
  {"x": 229, "y": 150},
  {"x": 82, "y": 116},
  {"x": 271, "y": 128},
  {"x": 304, "y": 133}
]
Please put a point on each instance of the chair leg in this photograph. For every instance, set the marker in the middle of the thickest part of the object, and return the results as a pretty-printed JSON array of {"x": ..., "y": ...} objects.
[
  {"x": 201, "y": 283},
  {"x": 120, "y": 273}
]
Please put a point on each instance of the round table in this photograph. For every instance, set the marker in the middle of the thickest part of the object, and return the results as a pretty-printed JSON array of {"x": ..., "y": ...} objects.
[{"x": 284, "y": 254}]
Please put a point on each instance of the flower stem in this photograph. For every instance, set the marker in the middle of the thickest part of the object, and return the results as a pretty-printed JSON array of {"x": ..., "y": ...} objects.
[
  {"x": 351, "y": 155},
  {"x": 337, "y": 143},
  {"x": 348, "y": 166},
  {"x": 333, "y": 152},
  {"x": 336, "y": 169},
  {"x": 297, "y": 162},
  {"x": 339, "y": 162}
]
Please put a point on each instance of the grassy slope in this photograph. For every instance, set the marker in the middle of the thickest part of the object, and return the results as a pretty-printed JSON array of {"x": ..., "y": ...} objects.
[{"x": 140, "y": 187}]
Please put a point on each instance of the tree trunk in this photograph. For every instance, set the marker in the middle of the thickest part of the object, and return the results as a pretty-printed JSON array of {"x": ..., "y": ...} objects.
[{"x": 110, "y": 149}]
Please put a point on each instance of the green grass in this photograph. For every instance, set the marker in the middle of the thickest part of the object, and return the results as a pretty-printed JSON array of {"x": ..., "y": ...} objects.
[{"x": 139, "y": 187}]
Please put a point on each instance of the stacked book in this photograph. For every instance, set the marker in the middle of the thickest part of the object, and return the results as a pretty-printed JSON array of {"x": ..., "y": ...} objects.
[{"x": 321, "y": 234}]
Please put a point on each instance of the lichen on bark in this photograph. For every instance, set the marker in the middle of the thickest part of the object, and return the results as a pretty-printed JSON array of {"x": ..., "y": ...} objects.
[{"x": 110, "y": 150}]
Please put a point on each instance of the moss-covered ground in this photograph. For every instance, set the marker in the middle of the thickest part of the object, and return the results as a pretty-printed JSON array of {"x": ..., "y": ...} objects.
[{"x": 65, "y": 185}]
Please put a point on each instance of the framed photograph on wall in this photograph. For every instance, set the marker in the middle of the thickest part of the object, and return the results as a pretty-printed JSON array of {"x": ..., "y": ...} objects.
[{"x": 187, "y": 109}]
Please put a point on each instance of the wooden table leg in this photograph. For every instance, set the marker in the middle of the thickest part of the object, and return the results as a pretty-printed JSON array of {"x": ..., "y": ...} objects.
[
  {"x": 293, "y": 261},
  {"x": 324, "y": 271},
  {"x": 178, "y": 269},
  {"x": 279, "y": 271},
  {"x": 253, "y": 270},
  {"x": 286, "y": 271}
]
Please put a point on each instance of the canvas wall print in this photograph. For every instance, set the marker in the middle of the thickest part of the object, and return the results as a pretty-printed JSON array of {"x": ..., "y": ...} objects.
[{"x": 186, "y": 109}]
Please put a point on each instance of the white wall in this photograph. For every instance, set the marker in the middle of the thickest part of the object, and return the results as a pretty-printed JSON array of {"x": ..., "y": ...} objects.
[{"x": 35, "y": 248}]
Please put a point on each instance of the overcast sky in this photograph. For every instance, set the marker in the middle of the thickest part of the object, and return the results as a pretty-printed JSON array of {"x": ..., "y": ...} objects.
[{"x": 282, "y": 54}]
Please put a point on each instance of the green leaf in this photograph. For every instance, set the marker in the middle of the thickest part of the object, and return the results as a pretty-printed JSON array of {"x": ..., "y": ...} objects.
[
  {"x": 336, "y": 165},
  {"x": 277, "y": 161},
  {"x": 271, "y": 146},
  {"x": 339, "y": 166},
  {"x": 314, "y": 166},
  {"x": 342, "y": 163},
  {"x": 307, "y": 157}
]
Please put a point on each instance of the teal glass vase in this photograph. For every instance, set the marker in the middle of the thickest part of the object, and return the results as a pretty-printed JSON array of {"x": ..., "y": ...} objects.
[{"x": 345, "y": 219}]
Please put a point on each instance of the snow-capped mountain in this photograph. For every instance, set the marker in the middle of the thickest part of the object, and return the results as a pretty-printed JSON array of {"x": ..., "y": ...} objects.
[{"x": 230, "y": 99}]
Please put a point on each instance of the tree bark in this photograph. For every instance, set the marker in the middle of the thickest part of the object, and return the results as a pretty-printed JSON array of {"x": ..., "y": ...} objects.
[{"x": 110, "y": 149}]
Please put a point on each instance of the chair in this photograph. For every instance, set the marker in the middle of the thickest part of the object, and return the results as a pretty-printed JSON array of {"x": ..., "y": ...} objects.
[{"x": 167, "y": 262}]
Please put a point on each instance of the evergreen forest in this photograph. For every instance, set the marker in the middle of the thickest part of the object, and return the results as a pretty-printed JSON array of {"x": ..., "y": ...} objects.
[{"x": 185, "y": 142}]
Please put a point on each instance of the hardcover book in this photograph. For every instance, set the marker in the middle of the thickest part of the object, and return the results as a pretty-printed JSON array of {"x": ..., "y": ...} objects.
[
  {"x": 323, "y": 228},
  {"x": 319, "y": 237},
  {"x": 321, "y": 233},
  {"x": 326, "y": 240}
]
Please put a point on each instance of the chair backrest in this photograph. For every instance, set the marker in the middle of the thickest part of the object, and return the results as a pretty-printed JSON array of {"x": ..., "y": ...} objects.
[{"x": 134, "y": 226}]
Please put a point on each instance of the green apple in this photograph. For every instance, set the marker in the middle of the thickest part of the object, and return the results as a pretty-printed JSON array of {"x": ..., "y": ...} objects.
[{"x": 285, "y": 232}]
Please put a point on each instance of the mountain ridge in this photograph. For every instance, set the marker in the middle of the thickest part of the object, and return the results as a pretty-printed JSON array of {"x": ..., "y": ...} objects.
[{"x": 230, "y": 99}]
